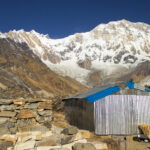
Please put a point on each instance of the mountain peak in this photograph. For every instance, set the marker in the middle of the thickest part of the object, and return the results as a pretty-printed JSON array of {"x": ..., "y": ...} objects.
[
  {"x": 118, "y": 44},
  {"x": 124, "y": 21},
  {"x": 2, "y": 35}
]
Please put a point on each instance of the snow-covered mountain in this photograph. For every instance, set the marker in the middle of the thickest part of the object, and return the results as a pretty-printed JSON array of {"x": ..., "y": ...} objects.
[{"x": 109, "y": 52}]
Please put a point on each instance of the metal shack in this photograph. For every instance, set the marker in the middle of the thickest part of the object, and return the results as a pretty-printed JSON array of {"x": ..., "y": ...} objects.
[{"x": 112, "y": 109}]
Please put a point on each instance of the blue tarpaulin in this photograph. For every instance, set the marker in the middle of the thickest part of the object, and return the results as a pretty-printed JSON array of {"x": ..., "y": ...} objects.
[
  {"x": 102, "y": 94},
  {"x": 109, "y": 91},
  {"x": 130, "y": 84},
  {"x": 147, "y": 90}
]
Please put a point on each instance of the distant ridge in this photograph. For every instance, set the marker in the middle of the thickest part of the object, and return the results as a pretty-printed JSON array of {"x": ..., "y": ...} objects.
[{"x": 108, "y": 53}]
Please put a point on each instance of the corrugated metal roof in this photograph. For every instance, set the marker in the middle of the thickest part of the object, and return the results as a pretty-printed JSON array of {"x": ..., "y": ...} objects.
[{"x": 94, "y": 90}]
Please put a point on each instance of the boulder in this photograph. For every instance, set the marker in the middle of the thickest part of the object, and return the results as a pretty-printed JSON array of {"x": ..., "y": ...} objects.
[
  {"x": 70, "y": 130},
  {"x": 66, "y": 139},
  {"x": 25, "y": 114},
  {"x": 7, "y": 114},
  {"x": 49, "y": 141},
  {"x": 83, "y": 146},
  {"x": 45, "y": 113}
]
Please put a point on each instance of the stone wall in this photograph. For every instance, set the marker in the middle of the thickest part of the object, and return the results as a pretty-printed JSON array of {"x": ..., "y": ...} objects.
[
  {"x": 21, "y": 114},
  {"x": 31, "y": 124}
]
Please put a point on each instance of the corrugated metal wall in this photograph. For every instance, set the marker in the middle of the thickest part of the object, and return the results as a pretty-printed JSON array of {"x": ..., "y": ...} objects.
[
  {"x": 80, "y": 113},
  {"x": 121, "y": 114}
]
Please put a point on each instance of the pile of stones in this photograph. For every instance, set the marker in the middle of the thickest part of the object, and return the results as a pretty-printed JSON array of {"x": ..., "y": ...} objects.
[{"x": 67, "y": 139}]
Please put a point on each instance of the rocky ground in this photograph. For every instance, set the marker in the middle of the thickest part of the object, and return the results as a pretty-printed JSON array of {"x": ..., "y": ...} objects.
[{"x": 34, "y": 124}]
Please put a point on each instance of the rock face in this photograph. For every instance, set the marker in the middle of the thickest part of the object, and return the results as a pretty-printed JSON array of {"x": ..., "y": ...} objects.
[
  {"x": 115, "y": 49},
  {"x": 23, "y": 74},
  {"x": 86, "y": 64}
]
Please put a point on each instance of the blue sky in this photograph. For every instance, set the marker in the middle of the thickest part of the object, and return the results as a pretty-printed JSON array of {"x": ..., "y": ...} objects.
[{"x": 60, "y": 18}]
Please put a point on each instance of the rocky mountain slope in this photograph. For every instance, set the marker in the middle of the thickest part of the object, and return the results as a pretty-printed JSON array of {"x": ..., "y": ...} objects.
[
  {"x": 22, "y": 74},
  {"x": 110, "y": 52}
]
